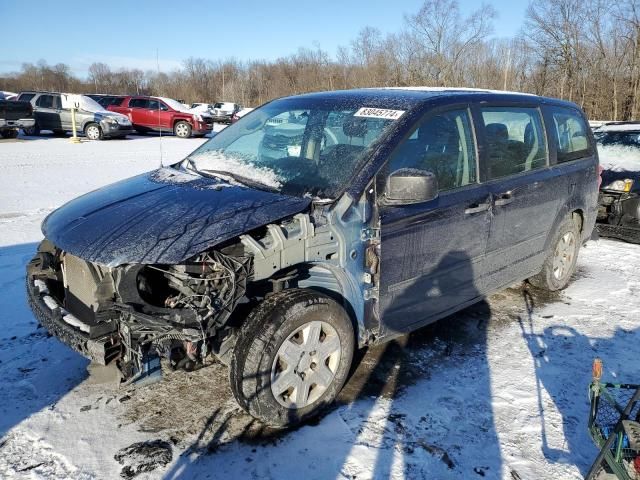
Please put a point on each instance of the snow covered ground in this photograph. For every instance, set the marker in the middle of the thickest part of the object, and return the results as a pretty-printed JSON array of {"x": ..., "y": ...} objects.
[{"x": 497, "y": 391}]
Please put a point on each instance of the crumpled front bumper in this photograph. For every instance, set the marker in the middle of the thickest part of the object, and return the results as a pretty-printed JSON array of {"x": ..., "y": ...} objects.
[
  {"x": 66, "y": 327},
  {"x": 116, "y": 130}
]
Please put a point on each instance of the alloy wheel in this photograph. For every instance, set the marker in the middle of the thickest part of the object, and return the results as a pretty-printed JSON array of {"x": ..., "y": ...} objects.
[
  {"x": 305, "y": 365},
  {"x": 93, "y": 132},
  {"x": 182, "y": 130},
  {"x": 564, "y": 255}
]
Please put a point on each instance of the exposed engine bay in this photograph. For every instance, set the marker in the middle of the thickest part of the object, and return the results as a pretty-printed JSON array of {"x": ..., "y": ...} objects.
[{"x": 133, "y": 314}]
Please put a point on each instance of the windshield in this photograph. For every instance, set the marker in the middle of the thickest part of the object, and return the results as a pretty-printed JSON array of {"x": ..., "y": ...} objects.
[
  {"x": 619, "y": 150},
  {"x": 174, "y": 104},
  {"x": 297, "y": 146},
  {"x": 90, "y": 105}
]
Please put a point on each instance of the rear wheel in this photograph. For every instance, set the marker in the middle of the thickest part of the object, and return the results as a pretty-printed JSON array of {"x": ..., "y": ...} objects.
[
  {"x": 292, "y": 357},
  {"x": 182, "y": 129},
  {"x": 560, "y": 263},
  {"x": 60, "y": 133},
  {"x": 11, "y": 133},
  {"x": 93, "y": 131}
]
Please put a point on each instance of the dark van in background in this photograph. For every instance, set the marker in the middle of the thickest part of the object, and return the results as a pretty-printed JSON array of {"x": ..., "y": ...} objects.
[{"x": 318, "y": 224}]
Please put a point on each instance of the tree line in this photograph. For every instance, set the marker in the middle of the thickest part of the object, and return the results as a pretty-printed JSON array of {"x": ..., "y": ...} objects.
[{"x": 586, "y": 51}]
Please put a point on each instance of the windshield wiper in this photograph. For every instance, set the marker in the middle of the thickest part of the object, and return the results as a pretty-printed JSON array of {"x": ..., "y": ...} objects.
[{"x": 249, "y": 182}]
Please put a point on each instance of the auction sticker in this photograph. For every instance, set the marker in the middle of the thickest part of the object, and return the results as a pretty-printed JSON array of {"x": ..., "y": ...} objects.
[{"x": 368, "y": 112}]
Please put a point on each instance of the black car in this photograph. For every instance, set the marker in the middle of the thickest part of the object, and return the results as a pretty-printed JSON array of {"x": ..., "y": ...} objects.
[
  {"x": 619, "y": 200},
  {"x": 14, "y": 115},
  {"x": 394, "y": 208},
  {"x": 106, "y": 100}
]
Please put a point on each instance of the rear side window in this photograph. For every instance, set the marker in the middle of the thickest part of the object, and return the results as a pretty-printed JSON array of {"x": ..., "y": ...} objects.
[
  {"x": 515, "y": 140},
  {"x": 570, "y": 134},
  {"x": 442, "y": 144},
  {"x": 45, "y": 101},
  {"x": 106, "y": 101},
  {"x": 139, "y": 103},
  {"x": 26, "y": 97}
]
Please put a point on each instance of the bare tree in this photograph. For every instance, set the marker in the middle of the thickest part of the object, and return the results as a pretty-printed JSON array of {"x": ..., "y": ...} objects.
[{"x": 446, "y": 36}]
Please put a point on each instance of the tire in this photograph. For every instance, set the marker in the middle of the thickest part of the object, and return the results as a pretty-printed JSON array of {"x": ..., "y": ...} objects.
[
  {"x": 93, "y": 131},
  {"x": 560, "y": 263},
  {"x": 32, "y": 131},
  {"x": 10, "y": 133},
  {"x": 60, "y": 133},
  {"x": 182, "y": 129},
  {"x": 306, "y": 326}
]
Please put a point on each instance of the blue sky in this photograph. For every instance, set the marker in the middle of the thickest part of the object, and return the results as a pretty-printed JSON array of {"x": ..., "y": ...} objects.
[{"x": 125, "y": 33}]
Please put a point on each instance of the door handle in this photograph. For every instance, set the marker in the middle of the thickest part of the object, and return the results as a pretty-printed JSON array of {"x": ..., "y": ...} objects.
[
  {"x": 504, "y": 199},
  {"x": 477, "y": 208}
]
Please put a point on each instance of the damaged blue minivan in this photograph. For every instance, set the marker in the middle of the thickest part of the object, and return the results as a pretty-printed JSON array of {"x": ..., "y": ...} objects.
[{"x": 315, "y": 225}]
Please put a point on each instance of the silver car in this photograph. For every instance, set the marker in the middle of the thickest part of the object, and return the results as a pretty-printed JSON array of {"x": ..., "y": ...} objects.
[{"x": 91, "y": 118}]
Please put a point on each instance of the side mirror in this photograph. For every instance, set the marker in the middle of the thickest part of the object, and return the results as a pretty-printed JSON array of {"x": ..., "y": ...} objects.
[{"x": 410, "y": 185}]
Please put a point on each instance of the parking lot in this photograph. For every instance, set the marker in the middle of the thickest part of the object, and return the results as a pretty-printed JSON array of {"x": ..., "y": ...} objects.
[{"x": 496, "y": 391}]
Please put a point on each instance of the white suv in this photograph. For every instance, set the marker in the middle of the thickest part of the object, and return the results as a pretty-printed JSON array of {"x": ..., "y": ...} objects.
[{"x": 223, "y": 111}]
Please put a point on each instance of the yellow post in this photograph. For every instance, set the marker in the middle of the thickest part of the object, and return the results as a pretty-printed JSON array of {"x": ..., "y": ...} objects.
[{"x": 74, "y": 138}]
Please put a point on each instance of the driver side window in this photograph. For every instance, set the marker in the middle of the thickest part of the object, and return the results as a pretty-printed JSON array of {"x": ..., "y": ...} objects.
[{"x": 442, "y": 144}]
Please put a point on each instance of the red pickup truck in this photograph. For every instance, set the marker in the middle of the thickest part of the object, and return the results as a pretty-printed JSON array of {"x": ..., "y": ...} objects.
[{"x": 164, "y": 115}]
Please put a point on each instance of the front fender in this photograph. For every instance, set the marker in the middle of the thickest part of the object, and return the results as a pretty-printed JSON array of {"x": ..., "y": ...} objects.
[{"x": 342, "y": 286}]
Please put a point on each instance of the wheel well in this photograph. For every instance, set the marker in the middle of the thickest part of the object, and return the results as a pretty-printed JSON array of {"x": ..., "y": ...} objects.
[
  {"x": 180, "y": 120},
  {"x": 86, "y": 125},
  {"x": 325, "y": 280},
  {"x": 578, "y": 218}
]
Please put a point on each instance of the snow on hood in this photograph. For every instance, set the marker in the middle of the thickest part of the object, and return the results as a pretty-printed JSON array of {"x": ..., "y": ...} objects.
[
  {"x": 620, "y": 127},
  {"x": 217, "y": 160},
  {"x": 203, "y": 108},
  {"x": 179, "y": 107},
  {"x": 619, "y": 158}
]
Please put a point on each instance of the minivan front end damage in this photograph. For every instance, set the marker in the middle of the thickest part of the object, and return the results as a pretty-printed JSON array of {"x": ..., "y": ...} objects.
[{"x": 132, "y": 313}]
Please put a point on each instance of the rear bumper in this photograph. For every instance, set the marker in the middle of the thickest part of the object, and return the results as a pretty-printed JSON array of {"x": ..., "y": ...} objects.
[
  {"x": 222, "y": 118},
  {"x": 67, "y": 328},
  {"x": 20, "y": 123}
]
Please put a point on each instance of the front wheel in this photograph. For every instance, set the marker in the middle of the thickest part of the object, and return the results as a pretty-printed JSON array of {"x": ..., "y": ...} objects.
[
  {"x": 292, "y": 357},
  {"x": 182, "y": 129},
  {"x": 93, "y": 131},
  {"x": 32, "y": 131},
  {"x": 561, "y": 260}
]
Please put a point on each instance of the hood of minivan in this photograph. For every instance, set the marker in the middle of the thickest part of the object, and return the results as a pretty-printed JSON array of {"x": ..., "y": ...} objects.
[{"x": 164, "y": 217}]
